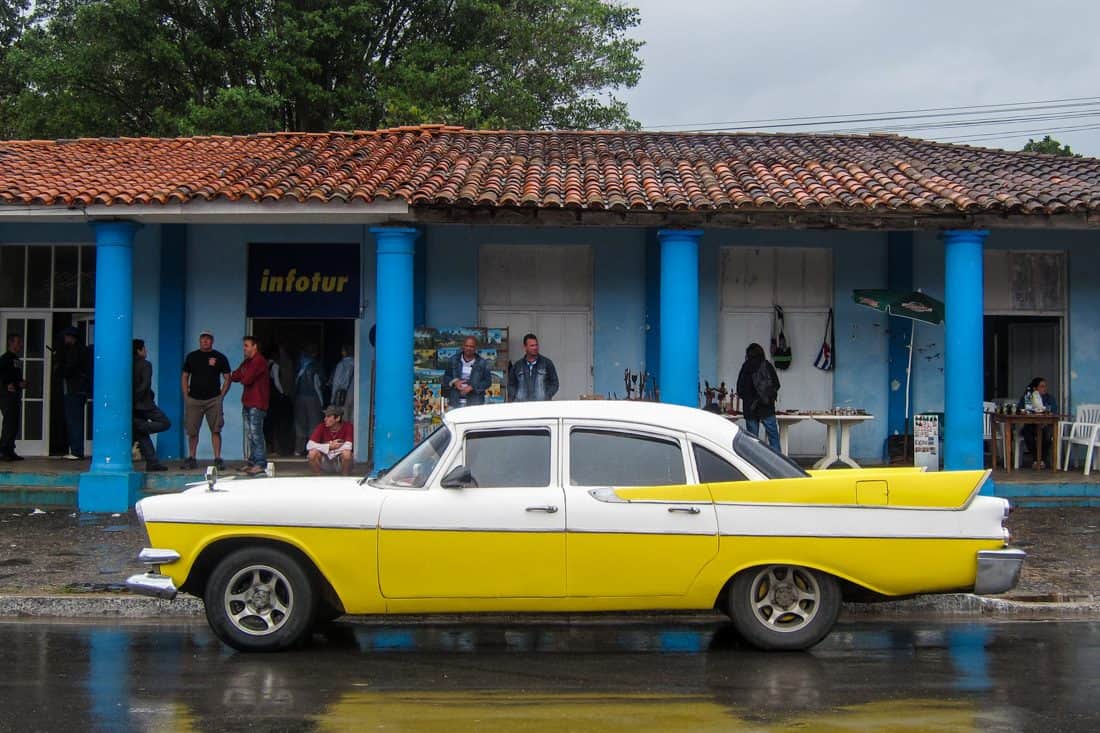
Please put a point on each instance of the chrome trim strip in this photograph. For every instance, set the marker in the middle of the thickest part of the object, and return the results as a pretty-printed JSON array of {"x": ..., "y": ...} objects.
[
  {"x": 882, "y": 536},
  {"x": 152, "y": 584},
  {"x": 219, "y": 523},
  {"x": 998, "y": 570},
  {"x": 807, "y": 505},
  {"x": 157, "y": 556},
  {"x": 703, "y": 533}
]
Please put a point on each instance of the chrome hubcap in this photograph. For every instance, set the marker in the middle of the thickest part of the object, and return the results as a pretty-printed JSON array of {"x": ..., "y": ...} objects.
[
  {"x": 785, "y": 598},
  {"x": 258, "y": 600}
]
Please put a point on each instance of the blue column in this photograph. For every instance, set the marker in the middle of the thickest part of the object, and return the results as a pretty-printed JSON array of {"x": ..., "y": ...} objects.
[
  {"x": 112, "y": 485},
  {"x": 170, "y": 353},
  {"x": 393, "y": 384},
  {"x": 963, "y": 368},
  {"x": 679, "y": 338}
]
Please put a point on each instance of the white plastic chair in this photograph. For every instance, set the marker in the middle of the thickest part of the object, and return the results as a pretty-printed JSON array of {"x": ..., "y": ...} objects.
[{"x": 1082, "y": 431}]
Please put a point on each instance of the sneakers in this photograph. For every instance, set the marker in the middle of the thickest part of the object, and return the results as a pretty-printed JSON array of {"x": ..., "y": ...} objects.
[
  {"x": 219, "y": 464},
  {"x": 72, "y": 457},
  {"x": 254, "y": 471},
  {"x": 189, "y": 463}
]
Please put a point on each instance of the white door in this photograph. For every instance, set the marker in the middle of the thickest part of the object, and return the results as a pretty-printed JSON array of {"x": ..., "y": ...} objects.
[
  {"x": 33, "y": 437},
  {"x": 547, "y": 291},
  {"x": 803, "y": 386},
  {"x": 1033, "y": 350}
]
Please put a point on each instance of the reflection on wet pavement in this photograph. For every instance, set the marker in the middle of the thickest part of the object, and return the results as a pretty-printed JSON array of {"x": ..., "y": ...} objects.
[{"x": 519, "y": 677}]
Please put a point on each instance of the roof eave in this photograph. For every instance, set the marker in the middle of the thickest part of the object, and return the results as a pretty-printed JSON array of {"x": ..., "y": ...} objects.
[{"x": 218, "y": 212}]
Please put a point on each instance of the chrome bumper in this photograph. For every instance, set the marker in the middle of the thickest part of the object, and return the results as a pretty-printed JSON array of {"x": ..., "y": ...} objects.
[
  {"x": 998, "y": 571},
  {"x": 153, "y": 583}
]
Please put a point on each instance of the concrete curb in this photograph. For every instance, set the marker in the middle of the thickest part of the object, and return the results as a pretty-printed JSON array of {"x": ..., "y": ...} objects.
[{"x": 125, "y": 606}]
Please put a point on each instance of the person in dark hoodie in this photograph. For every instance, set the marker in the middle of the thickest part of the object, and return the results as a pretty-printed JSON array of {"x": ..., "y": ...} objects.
[
  {"x": 74, "y": 364},
  {"x": 758, "y": 388},
  {"x": 148, "y": 418}
]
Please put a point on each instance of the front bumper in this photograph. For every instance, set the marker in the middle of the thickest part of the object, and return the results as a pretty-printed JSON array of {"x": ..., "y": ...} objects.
[
  {"x": 153, "y": 583},
  {"x": 998, "y": 571}
]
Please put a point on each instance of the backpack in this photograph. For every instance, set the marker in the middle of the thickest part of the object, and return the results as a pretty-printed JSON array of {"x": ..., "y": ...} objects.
[{"x": 765, "y": 385}]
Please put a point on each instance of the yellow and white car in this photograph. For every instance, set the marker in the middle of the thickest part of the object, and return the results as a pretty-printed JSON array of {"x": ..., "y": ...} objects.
[{"x": 575, "y": 506}]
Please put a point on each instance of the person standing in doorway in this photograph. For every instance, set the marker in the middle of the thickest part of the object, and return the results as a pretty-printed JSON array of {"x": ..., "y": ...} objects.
[
  {"x": 12, "y": 385},
  {"x": 205, "y": 381},
  {"x": 279, "y": 424},
  {"x": 308, "y": 398},
  {"x": 254, "y": 375},
  {"x": 533, "y": 378},
  {"x": 467, "y": 377},
  {"x": 75, "y": 368},
  {"x": 343, "y": 380},
  {"x": 148, "y": 418},
  {"x": 758, "y": 388}
]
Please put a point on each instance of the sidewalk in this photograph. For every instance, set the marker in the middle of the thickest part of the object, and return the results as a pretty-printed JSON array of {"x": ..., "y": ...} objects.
[{"x": 61, "y": 564}]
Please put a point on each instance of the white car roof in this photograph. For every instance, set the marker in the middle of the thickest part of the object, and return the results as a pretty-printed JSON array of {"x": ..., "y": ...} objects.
[{"x": 674, "y": 417}]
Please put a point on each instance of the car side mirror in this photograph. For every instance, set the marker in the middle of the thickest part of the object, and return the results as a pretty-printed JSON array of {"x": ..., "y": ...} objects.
[{"x": 458, "y": 477}]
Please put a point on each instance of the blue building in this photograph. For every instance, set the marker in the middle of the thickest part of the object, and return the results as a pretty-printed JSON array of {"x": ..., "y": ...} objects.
[{"x": 651, "y": 252}]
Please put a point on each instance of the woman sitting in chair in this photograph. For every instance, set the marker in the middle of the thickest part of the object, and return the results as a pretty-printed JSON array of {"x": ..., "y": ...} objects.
[{"x": 1036, "y": 399}]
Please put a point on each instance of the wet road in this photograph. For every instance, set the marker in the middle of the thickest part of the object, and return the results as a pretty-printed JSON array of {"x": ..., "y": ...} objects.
[{"x": 548, "y": 677}]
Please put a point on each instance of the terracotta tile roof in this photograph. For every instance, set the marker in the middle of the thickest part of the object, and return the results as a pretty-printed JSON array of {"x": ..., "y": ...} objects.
[{"x": 435, "y": 165}]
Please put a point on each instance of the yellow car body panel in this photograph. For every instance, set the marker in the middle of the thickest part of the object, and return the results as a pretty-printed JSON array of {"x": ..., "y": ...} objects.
[
  {"x": 946, "y": 490},
  {"x": 345, "y": 557}
]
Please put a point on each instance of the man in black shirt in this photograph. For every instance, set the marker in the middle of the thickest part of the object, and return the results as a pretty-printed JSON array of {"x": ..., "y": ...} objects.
[
  {"x": 74, "y": 365},
  {"x": 205, "y": 381},
  {"x": 12, "y": 385}
]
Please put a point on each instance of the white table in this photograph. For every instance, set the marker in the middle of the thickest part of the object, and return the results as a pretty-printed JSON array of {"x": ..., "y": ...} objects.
[
  {"x": 842, "y": 425},
  {"x": 786, "y": 422}
]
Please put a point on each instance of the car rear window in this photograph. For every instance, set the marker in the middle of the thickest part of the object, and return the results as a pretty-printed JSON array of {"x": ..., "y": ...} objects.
[
  {"x": 764, "y": 459},
  {"x": 610, "y": 458},
  {"x": 712, "y": 468}
]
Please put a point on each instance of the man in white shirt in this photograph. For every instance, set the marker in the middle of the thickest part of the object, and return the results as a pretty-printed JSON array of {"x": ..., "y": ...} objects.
[{"x": 467, "y": 377}]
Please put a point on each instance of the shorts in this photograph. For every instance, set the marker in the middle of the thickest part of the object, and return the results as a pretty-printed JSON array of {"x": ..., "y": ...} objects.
[{"x": 194, "y": 410}]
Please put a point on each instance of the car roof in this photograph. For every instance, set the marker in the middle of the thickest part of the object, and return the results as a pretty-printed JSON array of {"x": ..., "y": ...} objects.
[{"x": 674, "y": 417}]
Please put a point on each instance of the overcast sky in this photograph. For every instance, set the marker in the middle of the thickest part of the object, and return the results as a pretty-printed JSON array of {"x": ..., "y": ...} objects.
[{"x": 716, "y": 61}]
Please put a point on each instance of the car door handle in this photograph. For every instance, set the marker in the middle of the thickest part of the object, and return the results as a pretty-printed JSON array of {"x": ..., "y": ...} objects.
[
  {"x": 683, "y": 509},
  {"x": 549, "y": 509}
]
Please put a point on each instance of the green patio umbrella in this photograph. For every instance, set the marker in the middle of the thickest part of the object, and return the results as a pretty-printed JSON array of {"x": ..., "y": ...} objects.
[{"x": 914, "y": 305}]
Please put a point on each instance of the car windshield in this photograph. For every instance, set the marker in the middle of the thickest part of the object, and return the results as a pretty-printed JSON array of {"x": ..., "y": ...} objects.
[
  {"x": 412, "y": 471},
  {"x": 764, "y": 459}
]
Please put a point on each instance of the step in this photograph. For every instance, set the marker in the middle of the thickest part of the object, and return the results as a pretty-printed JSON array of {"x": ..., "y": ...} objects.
[{"x": 37, "y": 497}]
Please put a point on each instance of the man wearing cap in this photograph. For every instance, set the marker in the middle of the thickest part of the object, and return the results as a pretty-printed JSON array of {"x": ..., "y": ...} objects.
[
  {"x": 205, "y": 381},
  {"x": 74, "y": 366},
  {"x": 330, "y": 446}
]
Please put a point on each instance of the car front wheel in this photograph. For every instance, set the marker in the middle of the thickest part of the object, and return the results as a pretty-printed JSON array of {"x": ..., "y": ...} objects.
[
  {"x": 784, "y": 607},
  {"x": 260, "y": 599}
]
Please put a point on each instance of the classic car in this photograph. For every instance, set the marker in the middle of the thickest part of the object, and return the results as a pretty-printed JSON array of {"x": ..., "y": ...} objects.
[{"x": 572, "y": 507}]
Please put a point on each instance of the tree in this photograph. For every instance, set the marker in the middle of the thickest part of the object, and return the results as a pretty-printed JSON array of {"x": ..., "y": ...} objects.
[
  {"x": 13, "y": 18},
  {"x": 184, "y": 67},
  {"x": 1050, "y": 146}
]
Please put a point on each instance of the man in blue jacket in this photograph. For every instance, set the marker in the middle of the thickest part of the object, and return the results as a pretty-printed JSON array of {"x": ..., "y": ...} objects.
[
  {"x": 533, "y": 378},
  {"x": 467, "y": 376}
]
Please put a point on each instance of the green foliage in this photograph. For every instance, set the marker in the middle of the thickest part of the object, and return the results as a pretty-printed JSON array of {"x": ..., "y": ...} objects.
[
  {"x": 187, "y": 67},
  {"x": 1050, "y": 146}
]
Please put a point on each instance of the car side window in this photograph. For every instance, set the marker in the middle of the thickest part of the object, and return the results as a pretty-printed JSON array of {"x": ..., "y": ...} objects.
[
  {"x": 501, "y": 458},
  {"x": 608, "y": 458},
  {"x": 712, "y": 468}
]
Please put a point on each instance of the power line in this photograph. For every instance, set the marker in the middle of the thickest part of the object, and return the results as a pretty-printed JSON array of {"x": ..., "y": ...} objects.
[
  {"x": 1006, "y": 134},
  {"x": 894, "y": 115}
]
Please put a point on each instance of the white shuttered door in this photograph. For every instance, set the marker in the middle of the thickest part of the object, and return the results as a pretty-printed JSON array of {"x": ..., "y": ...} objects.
[
  {"x": 801, "y": 281},
  {"x": 545, "y": 290}
]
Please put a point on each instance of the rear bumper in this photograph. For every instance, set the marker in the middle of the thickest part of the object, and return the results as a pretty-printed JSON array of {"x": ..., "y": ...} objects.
[
  {"x": 152, "y": 584},
  {"x": 998, "y": 571}
]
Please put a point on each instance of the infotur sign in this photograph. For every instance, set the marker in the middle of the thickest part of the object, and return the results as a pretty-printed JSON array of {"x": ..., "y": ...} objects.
[{"x": 303, "y": 280}]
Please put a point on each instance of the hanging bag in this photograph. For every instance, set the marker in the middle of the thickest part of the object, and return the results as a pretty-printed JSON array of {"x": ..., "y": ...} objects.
[
  {"x": 825, "y": 355},
  {"x": 781, "y": 351}
]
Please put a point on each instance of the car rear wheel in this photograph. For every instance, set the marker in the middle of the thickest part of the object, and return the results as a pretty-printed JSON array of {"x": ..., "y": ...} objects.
[
  {"x": 260, "y": 599},
  {"x": 785, "y": 607}
]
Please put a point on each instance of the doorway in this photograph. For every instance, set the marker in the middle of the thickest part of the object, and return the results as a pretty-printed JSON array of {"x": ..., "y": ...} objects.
[
  {"x": 33, "y": 434},
  {"x": 1019, "y": 348}
]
